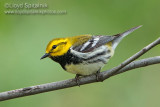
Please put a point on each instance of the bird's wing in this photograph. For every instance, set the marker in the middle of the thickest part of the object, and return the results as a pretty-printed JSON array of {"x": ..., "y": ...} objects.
[
  {"x": 93, "y": 43},
  {"x": 97, "y": 41}
]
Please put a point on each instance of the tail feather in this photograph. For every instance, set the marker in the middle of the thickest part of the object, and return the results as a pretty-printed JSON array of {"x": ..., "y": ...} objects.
[{"x": 120, "y": 36}]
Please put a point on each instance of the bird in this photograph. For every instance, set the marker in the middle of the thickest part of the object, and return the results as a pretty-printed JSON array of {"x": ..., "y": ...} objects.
[{"x": 84, "y": 54}]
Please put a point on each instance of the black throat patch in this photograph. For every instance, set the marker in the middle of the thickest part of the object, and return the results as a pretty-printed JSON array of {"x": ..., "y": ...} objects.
[{"x": 67, "y": 58}]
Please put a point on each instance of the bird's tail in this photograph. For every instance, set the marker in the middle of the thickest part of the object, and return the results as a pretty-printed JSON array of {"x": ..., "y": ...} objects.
[{"x": 120, "y": 36}]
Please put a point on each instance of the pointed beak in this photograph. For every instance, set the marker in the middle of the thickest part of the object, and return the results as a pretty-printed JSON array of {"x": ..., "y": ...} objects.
[{"x": 45, "y": 55}]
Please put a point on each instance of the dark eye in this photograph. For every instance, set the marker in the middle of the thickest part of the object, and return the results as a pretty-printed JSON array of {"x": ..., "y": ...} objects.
[{"x": 54, "y": 46}]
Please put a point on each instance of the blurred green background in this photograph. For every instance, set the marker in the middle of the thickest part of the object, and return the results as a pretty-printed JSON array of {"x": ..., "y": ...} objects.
[{"x": 23, "y": 39}]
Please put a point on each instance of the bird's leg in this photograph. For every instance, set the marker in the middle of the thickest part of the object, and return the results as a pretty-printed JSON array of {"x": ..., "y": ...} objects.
[
  {"x": 97, "y": 75},
  {"x": 77, "y": 79}
]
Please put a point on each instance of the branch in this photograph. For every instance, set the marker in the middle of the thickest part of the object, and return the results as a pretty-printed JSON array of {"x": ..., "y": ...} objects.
[
  {"x": 123, "y": 67},
  {"x": 140, "y": 63},
  {"x": 129, "y": 60}
]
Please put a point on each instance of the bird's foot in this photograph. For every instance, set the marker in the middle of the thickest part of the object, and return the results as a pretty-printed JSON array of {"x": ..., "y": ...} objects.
[
  {"x": 98, "y": 76},
  {"x": 77, "y": 79}
]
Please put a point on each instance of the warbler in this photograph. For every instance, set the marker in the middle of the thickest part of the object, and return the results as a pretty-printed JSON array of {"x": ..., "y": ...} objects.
[{"x": 85, "y": 54}]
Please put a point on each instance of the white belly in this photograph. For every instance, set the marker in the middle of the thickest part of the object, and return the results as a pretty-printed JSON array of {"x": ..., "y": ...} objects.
[
  {"x": 92, "y": 65},
  {"x": 84, "y": 69}
]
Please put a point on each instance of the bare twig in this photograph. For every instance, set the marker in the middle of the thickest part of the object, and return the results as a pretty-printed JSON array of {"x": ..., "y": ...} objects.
[
  {"x": 125, "y": 66},
  {"x": 140, "y": 63},
  {"x": 129, "y": 60}
]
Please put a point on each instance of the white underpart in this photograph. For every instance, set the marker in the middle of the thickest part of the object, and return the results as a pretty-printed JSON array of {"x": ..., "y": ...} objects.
[
  {"x": 84, "y": 69},
  {"x": 87, "y": 68}
]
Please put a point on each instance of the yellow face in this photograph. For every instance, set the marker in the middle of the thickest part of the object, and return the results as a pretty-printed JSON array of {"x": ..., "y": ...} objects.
[{"x": 58, "y": 47}]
